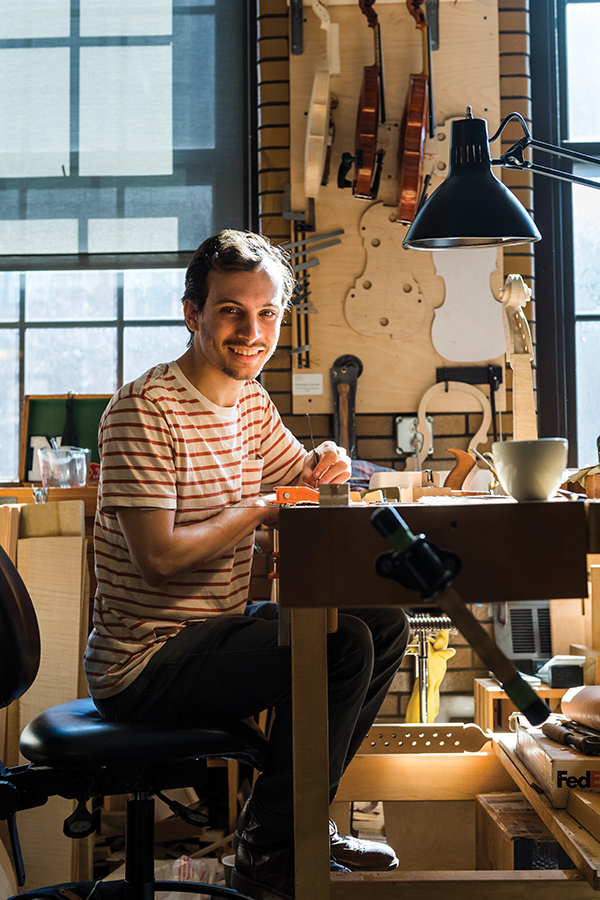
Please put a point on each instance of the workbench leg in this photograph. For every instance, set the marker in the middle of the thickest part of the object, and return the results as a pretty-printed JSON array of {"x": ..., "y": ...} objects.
[{"x": 311, "y": 753}]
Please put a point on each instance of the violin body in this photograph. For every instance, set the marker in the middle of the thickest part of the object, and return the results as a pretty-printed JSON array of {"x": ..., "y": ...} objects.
[
  {"x": 418, "y": 116},
  {"x": 412, "y": 148},
  {"x": 367, "y": 158},
  {"x": 367, "y": 120}
]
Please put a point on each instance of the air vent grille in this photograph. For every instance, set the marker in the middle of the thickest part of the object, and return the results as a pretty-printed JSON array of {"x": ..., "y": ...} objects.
[
  {"x": 544, "y": 630},
  {"x": 522, "y": 631}
]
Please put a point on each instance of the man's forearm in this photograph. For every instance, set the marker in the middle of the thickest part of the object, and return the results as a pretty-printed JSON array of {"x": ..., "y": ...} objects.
[{"x": 161, "y": 552}]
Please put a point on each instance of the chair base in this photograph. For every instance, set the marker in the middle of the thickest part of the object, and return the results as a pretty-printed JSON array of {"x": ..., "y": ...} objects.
[
  {"x": 119, "y": 890},
  {"x": 139, "y": 882}
]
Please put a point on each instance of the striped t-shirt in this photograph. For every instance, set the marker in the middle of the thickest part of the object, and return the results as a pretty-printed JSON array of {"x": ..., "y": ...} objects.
[{"x": 164, "y": 445}]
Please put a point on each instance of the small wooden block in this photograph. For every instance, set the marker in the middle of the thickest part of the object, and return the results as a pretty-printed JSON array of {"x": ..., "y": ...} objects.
[
  {"x": 584, "y": 806},
  {"x": 592, "y": 486},
  {"x": 409, "y": 495},
  {"x": 64, "y": 518},
  {"x": 373, "y": 497}
]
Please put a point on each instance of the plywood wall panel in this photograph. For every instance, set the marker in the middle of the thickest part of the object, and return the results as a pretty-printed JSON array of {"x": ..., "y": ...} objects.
[{"x": 466, "y": 72}]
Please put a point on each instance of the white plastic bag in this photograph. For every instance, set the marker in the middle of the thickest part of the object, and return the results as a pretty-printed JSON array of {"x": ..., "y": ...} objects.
[{"x": 183, "y": 869}]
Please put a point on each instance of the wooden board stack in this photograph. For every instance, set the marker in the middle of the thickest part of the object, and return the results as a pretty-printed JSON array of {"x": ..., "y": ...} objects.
[
  {"x": 51, "y": 558},
  {"x": 9, "y": 534},
  {"x": 9, "y": 528}
]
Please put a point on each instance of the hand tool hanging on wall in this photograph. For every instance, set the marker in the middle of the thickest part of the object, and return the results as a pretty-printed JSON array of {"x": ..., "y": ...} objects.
[
  {"x": 344, "y": 374},
  {"x": 433, "y": 23},
  {"x": 303, "y": 307},
  {"x": 296, "y": 27}
]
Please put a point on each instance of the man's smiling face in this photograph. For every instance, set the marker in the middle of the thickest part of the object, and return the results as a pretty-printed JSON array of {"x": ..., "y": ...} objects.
[{"x": 238, "y": 328}]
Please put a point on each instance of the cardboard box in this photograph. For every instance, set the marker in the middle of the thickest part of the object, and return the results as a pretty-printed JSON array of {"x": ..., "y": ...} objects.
[
  {"x": 510, "y": 835},
  {"x": 556, "y": 768}
]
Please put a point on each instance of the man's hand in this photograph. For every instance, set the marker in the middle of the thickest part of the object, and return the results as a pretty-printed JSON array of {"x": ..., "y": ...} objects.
[
  {"x": 334, "y": 466},
  {"x": 266, "y": 502}
]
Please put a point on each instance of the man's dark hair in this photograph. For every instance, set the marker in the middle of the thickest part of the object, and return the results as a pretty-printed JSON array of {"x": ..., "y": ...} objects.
[{"x": 234, "y": 251}]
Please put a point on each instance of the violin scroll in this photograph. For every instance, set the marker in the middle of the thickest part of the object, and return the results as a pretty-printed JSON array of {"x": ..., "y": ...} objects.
[
  {"x": 366, "y": 7},
  {"x": 417, "y": 10}
]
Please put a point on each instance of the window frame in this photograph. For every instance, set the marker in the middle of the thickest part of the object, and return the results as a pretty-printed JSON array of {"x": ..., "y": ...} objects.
[
  {"x": 168, "y": 260},
  {"x": 180, "y": 259},
  {"x": 556, "y": 316}
]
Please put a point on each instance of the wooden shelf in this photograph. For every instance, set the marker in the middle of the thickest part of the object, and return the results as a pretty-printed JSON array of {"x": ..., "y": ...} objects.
[
  {"x": 583, "y": 849},
  {"x": 492, "y": 706}
]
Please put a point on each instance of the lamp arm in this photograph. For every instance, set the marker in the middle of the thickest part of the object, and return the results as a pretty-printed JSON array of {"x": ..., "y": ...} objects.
[
  {"x": 544, "y": 170},
  {"x": 514, "y": 157}
]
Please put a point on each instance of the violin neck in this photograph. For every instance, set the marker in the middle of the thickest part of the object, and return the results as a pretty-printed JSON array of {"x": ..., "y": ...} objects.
[
  {"x": 379, "y": 64},
  {"x": 426, "y": 51},
  {"x": 428, "y": 72}
]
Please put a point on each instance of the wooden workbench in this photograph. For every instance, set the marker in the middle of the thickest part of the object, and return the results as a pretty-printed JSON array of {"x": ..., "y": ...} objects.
[{"x": 509, "y": 551}]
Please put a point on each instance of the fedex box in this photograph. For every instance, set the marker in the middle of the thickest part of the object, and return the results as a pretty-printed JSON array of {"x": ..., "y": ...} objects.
[{"x": 556, "y": 768}]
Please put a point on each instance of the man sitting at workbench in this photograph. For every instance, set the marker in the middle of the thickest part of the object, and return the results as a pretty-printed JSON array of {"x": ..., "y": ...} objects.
[{"x": 184, "y": 450}]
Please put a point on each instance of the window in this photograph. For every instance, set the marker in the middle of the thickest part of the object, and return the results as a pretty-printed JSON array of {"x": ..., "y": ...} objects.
[
  {"x": 107, "y": 328},
  {"x": 566, "y": 111},
  {"x": 123, "y": 145},
  {"x": 123, "y": 124},
  {"x": 582, "y": 32}
]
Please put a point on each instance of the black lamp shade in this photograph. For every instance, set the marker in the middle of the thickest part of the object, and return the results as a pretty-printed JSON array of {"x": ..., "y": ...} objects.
[{"x": 471, "y": 208}]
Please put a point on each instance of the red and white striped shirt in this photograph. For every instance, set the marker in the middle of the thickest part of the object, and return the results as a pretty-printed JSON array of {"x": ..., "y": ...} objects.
[{"x": 164, "y": 445}]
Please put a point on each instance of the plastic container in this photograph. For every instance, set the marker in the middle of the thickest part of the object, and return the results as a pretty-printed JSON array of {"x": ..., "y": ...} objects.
[{"x": 64, "y": 467}]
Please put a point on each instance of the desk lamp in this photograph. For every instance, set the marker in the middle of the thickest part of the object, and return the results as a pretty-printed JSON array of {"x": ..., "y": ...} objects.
[{"x": 472, "y": 208}]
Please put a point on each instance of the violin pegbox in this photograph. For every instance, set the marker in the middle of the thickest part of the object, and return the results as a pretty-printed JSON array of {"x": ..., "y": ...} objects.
[{"x": 385, "y": 298}]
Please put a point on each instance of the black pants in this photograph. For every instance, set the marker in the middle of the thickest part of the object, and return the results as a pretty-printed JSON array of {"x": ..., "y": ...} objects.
[{"x": 233, "y": 665}]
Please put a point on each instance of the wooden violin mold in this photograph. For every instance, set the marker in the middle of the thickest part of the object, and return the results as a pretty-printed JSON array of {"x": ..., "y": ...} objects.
[{"x": 385, "y": 299}]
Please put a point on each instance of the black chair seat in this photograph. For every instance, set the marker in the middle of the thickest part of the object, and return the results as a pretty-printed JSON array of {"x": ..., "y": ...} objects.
[{"x": 74, "y": 734}]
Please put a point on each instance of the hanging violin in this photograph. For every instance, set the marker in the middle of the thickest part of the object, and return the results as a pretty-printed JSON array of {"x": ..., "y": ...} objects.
[
  {"x": 418, "y": 119},
  {"x": 371, "y": 111}
]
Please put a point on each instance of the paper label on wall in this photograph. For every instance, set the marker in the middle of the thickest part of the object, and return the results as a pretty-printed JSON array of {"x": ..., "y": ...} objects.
[{"x": 307, "y": 384}]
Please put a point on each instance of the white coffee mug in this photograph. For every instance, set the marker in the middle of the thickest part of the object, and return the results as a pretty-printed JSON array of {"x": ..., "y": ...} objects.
[{"x": 530, "y": 470}]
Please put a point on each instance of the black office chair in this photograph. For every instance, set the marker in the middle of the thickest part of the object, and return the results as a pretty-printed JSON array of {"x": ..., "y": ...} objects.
[{"x": 75, "y": 754}]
